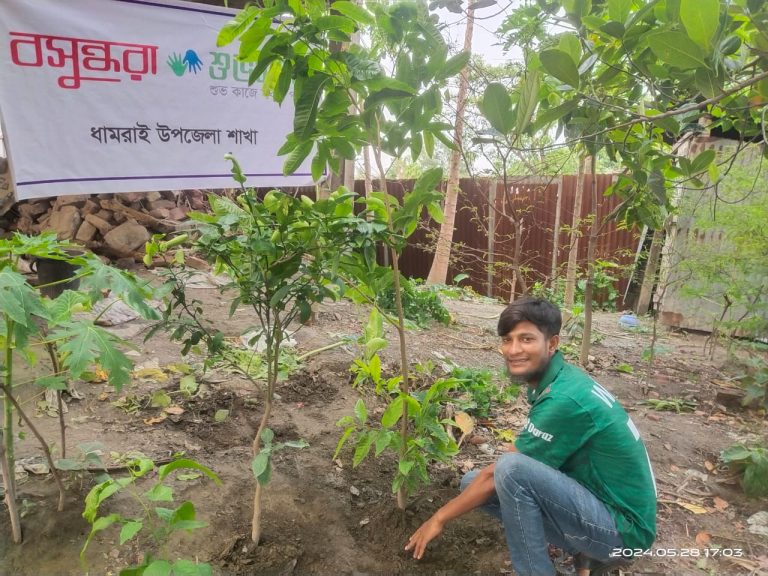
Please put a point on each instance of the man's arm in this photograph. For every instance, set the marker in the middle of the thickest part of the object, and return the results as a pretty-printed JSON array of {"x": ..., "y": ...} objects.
[{"x": 476, "y": 494}]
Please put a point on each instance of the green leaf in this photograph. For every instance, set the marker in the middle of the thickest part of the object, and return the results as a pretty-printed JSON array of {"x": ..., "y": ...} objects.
[
  {"x": 260, "y": 465},
  {"x": 453, "y": 66},
  {"x": 392, "y": 413},
  {"x": 158, "y": 568},
  {"x": 702, "y": 160},
  {"x": 160, "y": 493},
  {"x": 436, "y": 212},
  {"x": 701, "y": 19},
  {"x": 363, "y": 448},
  {"x": 353, "y": 11},
  {"x": 383, "y": 439},
  {"x": 232, "y": 29},
  {"x": 360, "y": 411},
  {"x": 185, "y": 464},
  {"x": 221, "y": 415},
  {"x": 184, "y": 567},
  {"x": 160, "y": 400},
  {"x": 267, "y": 436},
  {"x": 188, "y": 385},
  {"x": 735, "y": 453},
  {"x": 82, "y": 343},
  {"x": 676, "y": 49},
  {"x": 307, "y": 100},
  {"x": 53, "y": 382},
  {"x": 496, "y": 107},
  {"x": 298, "y": 156},
  {"x": 298, "y": 444},
  {"x": 529, "y": 91},
  {"x": 708, "y": 83},
  {"x": 342, "y": 441},
  {"x": 618, "y": 10},
  {"x": 560, "y": 65},
  {"x": 129, "y": 530},
  {"x": 374, "y": 345},
  {"x": 404, "y": 467}
]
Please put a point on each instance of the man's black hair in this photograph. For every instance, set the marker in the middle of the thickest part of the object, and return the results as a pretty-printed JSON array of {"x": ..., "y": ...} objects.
[{"x": 539, "y": 312}]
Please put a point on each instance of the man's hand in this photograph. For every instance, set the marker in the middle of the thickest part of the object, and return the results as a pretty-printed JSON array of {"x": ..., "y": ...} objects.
[{"x": 427, "y": 532}]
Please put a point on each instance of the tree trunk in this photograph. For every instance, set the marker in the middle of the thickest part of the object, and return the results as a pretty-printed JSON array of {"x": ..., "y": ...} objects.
[
  {"x": 438, "y": 273},
  {"x": 491, "y": 263},
  {"x": 651, "y": 273},
  {"x": 589, "y": 289},
  {"x": 556, "y": 231},
  {"x": 570, "y": 274}
]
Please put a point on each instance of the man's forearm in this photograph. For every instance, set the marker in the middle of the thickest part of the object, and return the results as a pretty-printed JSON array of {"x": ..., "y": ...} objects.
[{"x": 474, "y": 495}]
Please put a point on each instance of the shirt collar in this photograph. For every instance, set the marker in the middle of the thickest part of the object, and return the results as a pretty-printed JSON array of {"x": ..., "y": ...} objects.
[{"x": 553, "y": 369}]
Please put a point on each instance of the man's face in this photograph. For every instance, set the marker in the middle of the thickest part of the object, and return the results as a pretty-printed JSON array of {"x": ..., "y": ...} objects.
[{"x": 527, "y": 351}]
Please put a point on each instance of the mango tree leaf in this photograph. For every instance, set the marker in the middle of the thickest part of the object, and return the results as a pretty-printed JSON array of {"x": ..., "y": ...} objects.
[
  {"x": 560, "y": 65},
  {"x": 353, "y": 11},
  {"x": 307, "y": 100},
  {"x": 676, "y": 49},
  {"x": 232, "y": 29},
  {"x": 298, "y": 156},
  {"x": 701, "y": 19}
]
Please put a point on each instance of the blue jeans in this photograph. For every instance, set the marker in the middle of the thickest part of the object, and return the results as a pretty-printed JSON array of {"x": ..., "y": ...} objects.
[{"x": 539, "y": 505}]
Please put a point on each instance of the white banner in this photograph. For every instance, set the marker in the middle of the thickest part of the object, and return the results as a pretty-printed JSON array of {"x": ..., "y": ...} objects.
[{"x": 129, "y": 96}]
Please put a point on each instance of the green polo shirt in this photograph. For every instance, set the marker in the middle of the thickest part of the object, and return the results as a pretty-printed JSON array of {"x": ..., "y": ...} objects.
[{"x": 576, "y": 426}]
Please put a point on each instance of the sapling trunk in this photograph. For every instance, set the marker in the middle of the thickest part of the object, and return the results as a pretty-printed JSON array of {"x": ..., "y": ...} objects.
[
  {"x": 43, "y": 444},
  {"x": 273, "y": 359},
  {"x": 8, "y": 460},
  {"x": 402, "y": 499},
  {"x": 53, "y": 354}
]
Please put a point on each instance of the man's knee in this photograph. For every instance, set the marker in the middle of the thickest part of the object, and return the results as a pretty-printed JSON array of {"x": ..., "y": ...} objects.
[{"x": 512, "y": 466}]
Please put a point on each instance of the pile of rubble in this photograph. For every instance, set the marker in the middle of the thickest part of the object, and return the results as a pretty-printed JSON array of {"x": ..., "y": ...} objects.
[{"x": 114, "y": 225}]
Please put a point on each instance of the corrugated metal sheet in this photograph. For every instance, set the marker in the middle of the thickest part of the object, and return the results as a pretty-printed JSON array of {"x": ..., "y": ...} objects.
[{"x": 534, "y": 200}]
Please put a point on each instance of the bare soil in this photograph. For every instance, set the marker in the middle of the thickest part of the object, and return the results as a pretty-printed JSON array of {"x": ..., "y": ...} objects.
[{"x": 324, "y": 517}]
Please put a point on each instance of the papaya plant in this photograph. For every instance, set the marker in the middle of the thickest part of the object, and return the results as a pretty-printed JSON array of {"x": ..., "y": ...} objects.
[
  {"x": 281, "y": 254},
  {"x": 345, "y": 99},
  {"x": 29, "y": 321}
]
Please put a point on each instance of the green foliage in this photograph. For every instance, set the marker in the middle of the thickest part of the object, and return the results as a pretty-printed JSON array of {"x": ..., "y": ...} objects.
[
  {"x": 261, "y": 465},
  {"x": 31, "y": 323},
  {"x": 427, "y": 442},
  {"x": 722, "y": 259},
  {"x": 605, "y": 293},
  {"x": 395, "y": 109},
  {"x": 752, "y": 463},
  {"x": 628, "y": 78},
  {"x": 755, "y": 383},
  {"x": 160, "y": 522},
  {"x": 420, "y": 306},
  {"x": 480, "y": 391}
]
